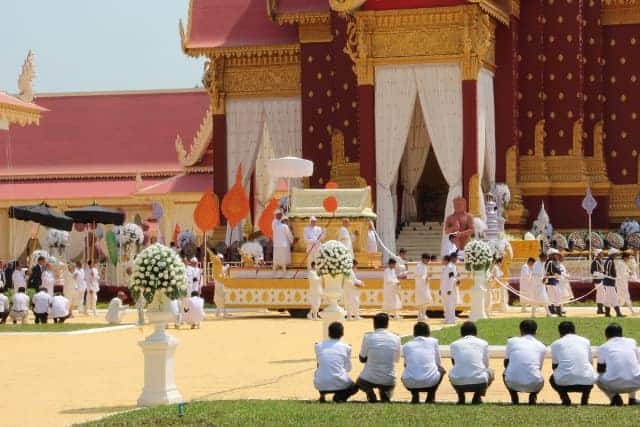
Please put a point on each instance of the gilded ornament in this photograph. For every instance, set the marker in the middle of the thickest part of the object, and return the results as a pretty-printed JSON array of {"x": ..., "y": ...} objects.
[
  {"x": 25, "y": 79},
  {"x": 199, "y": 144}
]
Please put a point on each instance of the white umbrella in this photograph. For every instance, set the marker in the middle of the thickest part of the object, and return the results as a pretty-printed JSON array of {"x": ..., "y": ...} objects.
[{"x": 290, "y": 167}]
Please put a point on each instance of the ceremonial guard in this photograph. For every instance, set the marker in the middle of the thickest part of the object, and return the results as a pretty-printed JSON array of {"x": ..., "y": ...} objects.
[
  {"x": 552, "y": 273},
  {"x": 609, "y": 284},
  {"x": 597, "y": 271}
]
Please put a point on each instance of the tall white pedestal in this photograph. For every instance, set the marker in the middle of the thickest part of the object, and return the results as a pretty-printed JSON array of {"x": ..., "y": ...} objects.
[
  {"x": 333, "y": 312},
  {"x": 478, "y": 295}
]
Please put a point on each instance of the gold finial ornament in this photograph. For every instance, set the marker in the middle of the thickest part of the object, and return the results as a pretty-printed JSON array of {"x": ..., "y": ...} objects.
[
  {"x": 25, "y": 79},
  {"x": 346, "y": 6}
]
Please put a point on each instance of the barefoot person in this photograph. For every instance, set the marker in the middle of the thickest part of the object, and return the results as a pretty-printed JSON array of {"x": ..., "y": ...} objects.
[
  {"x": 334, "y": 364},
  {"x": 116, "y": 309},
  {"x": 194, "y": 310}
]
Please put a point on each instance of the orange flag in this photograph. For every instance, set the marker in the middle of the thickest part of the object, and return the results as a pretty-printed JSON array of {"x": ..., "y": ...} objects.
[
  {"x": 206, "y": 215},
  {"x": 266, "y": 218},
  {"x": 235, "y": 204}
]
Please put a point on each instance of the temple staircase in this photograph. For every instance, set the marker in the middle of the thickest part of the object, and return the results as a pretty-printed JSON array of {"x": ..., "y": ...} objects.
[{"x": 418, "y": 238}]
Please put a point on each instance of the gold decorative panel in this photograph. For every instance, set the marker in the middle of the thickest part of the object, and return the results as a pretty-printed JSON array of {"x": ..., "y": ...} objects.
[{"x": 620, "y": 12}]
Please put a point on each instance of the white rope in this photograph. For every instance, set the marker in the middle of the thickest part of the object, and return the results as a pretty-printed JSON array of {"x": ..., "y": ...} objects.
[
  {"x": 384, "y": 247},
  {"x": 522, "y": 296}
]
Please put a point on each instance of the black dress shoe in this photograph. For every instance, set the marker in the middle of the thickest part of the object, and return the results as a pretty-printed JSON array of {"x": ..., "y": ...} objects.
[{"x": 617, "y": 400}]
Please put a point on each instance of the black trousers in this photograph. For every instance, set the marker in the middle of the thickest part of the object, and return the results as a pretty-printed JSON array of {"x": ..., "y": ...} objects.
[
  {"x": 60, "y": 319},
  {"x": 41, "y": 317},
  {"x": 340, "y": 395},
  {"x": 478, "y": 391},
  {"x": 3, "y": 317},
  {"x": 385, "y": 391},
  {"x": 431, "y": 392},
  {"x": 564, "y": 390}
]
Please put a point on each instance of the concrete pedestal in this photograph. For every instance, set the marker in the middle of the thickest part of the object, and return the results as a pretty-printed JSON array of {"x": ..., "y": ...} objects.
[
  {"x": 333, "y": 289},
  {"x": 478, "y": 295}
]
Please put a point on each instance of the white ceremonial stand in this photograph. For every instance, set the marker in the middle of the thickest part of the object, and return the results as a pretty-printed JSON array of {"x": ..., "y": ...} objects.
[
  {"x": 159, "y": 364},
  {"x": 478, "y": 295},
  {"x": 332, "y": 312}
]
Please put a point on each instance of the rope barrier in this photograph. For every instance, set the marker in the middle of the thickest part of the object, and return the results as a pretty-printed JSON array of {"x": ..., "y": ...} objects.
[{"x": 522, "y": 296}]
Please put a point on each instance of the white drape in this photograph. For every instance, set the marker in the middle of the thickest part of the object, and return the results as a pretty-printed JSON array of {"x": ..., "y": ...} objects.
[
  {"x": 394, "y": 105},
  {"x": 75, "y": 248},
  {"x": 20, "y": 235},
  {"x": 413, "y": 163},
  {"x": 486, "y": 132},
  {"x": 265, "y": 183}
]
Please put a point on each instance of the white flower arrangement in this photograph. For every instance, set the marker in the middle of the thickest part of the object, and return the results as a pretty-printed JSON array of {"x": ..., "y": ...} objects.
[
  {"x": 252, "y": 250},
  {"x": 158, "y": 269},
  {"x": 130, "y": 234},
  {"x": 57, "y": 239},
  {"x": 334, "y": 259},
  {"x": 37, "y": 254},
  {"x": 186, "y": 238},
  {"x": 629, "y": 226},
  {"x": 478, "y": 255}
]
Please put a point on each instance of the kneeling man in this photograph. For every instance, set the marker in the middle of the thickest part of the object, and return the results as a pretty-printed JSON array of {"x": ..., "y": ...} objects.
[
  {"x": 618, "y": 366},
  {"x": 334, "y": 365},
  {"x": 523, "y": 362},
  {"x": 423, "y": 371},
  {"x": 194, "y": 310},
  {"x": 470, "y": 359},
  {"x": 116, "y": 310}
]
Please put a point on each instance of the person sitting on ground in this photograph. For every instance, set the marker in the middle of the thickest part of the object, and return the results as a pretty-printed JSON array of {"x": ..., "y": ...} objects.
[
  {"x": 19, "y": 306},
  {"x": 4, "y": 306},
  {"x": 572, "y": 364},
  {"x": 334, "y": 365},
  {"x": 618, "y": 366},
  {"x": 379, "y": 352},
  {"x": 423, "y": 371},
  {"x": 41, "y": 304},
  {"x": 60, "y": 308},
  {"x": 470, "y": 359},
  {"x": 194, "y": 310},
  {"x": 524, "y": 356},
  {"x": 116, "y": 310}
]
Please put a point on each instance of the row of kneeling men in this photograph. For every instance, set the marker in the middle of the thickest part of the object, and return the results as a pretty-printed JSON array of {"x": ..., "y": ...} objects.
[{"x": 618, "y": 367}]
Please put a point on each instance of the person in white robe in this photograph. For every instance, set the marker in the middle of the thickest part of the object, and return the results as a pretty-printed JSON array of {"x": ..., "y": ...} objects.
[
  {"x": 352, "y": 286},
  {"x": 526, "y": 284},
  {"x": 81, "y": 287},
  {"x": 334, "y": 363},
  {"x": 372, "y": 245},
  {"x": 448, "y": 285},
  {"x": 194, "y": 310},
  {"x": 618, "y": 366},
  {"x": 18, "y": 278},
  {"x": 282, "y": 241},
  {"x": 315, "y": 292},
  {"x": 345, "y": 236},
  {"x": 624, "y": 274},
  {"x": 564, "y": 286},
  {"x": 402, "y": 266},
  {"x": 539, "y": 295},
  {"x": 391, "y": 301},
  {"x": 422, "y": 289},
  {"x": 194, "y": 276},
  {"x": 93, "y": 287},
  {"x": 496, "y": 273},
  {"x": 116, "y": 309},
  {"x": 48, "y": 279},
  {"x": 313, "y": 235}
]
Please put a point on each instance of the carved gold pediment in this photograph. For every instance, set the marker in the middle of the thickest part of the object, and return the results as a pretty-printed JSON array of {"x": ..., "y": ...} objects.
[
  {"x": 620, "y": 12},
  {"x": 199, "y": 144},
  {"x": 343, "y": 172}
]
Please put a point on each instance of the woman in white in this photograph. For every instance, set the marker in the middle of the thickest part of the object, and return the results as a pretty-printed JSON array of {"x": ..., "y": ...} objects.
[
  {"x": 372, "y": 244},
  {"x": 624, "y": 273},
  {"x": 80, "y": 284},
  {"x": 423, "y": 294},
  {"x": 92, "y": 277},
  {"x": 345, "y": 237},
  {"x": 539, "y": 295},
  {"x": 391, "y": 302},
  {"x": 48, "y": 279},
  {"x": 352, "y": 287},
  {"x": 526, "y": 284},
  {"x": 315, "y": 292}
]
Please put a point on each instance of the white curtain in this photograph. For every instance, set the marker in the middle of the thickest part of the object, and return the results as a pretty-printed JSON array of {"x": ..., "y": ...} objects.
[
  {"x": 75, "y": 248},
  {"x": 413, "y": 163},
  {"x": 486, "y": 109},
  {"x": 394, "y": 105},
  {"x": 440, "y": 93},
  {"x": 265, "y": 183},
  {"x": 20, "y": 235}
]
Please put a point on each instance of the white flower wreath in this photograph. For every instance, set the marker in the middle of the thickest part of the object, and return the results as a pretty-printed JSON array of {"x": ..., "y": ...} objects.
[
  {"x": 158, "y": 269},
  {"x": 130, "y": 234},
  {"x": 334, "y": 259},
  {"x": 57, "y": 238},
  {"x": 478, "y": 255}
]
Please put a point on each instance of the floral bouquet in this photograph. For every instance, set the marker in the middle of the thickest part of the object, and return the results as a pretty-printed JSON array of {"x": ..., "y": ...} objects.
[
  {"x": 57, "y": 239},
  {"x": 629, "y": 226},
  {"x": 130, "y": 234},
  {"x": 478, "y": 255},
  {"x": 577, "y": 240},
  {"x": 334, "y": 259},
  {"x": 614, "y": 240},
  {"x": 158, "y": 269},
  {"x": 560, "y": 241}
]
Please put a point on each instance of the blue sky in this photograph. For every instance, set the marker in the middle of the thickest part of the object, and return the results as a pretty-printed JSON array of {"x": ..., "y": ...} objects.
[{"x": 96, "y": 45}]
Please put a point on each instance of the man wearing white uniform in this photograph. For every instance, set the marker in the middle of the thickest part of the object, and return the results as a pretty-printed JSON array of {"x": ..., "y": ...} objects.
[
  {"x": 93, "y": 286},
  {"x": 552, "y": 273},
  {"x": 116, "y": 310},
  {"x": 345, "y": 237},
  {"x": 572, "y": 364},
  {"x": 448, "y": 283},
  {"x": 41, "y": 303},
  {"x": 282, "y": 240},
  {"x": 422, "y": 292},
  {"x": 313, "y": 234},
  {"x": 19, "y": 306},
  {"x": 60, "y": 307},
  {"x": 4, "y": 307},
  {"x": 48, "y": 279},
  {"x": 624, "y": 274},
  {"x": 352, "y": 287},
  {"x": 526, "y": 285},
  {"x": 18, "y": 278},
  {"x": 597, "y": 271},
  {"x": 609, "y": 285},
  {"x": 618, "y": 366},
  {"x": 524, "y": 356},
  {"x": 334, "y": 364},
  {"x": 391, "y": 301},
  {"x": 379, "y": 352},
  {"x": 81, "y": 286},
  {"x": 470, "y": 359},
  {"x": 538, "y": 288},
  {"x": 423, "y": 371},
  {"x": 194, "y": 310}
]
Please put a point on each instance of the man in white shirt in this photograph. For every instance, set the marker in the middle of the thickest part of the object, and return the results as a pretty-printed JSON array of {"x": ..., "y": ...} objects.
[
  {"x": 470, "y": 359},
  {"x": 423, "y": 371},
  {"x": 282, "y": 240},
  {"x": 572, "y": 364},
  {"x": 448, "y": 292},
  {"x": 345, "y": 237},
  {"x": 524, "y": 356},
  {"x": 313, "y": 234},
  {"x": 379, "y": 352},
  {"x": 48, "y": 279},
  {"x": 18, "y": 278},
  {"x": 60, "y": 308},
  {"x": 19, "y": 306},
  {"x": 352, "y": 286},
  {"x": 334, "y": 364},
  {"x": 78, "y": 275},
  {"x": 41, "y": 303},
  {"x": 618, "y": 366},
  {"x": 92, "y": 278},
  {"x": 422, "y": 291},
  {"x": 391, "y": 302},
  {"x": 450, "y": 247},
  {"x": 4, "y": 307},
  {"x": 116, "y": 310},
  {"x": 194, "y": 310},
  {"x": 402, "y": 269}
]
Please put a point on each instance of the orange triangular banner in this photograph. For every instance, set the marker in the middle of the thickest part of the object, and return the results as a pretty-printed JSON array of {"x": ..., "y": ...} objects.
[
  {"x": 207, "y": 215},
  {"x": 235, "y": 204},
  {"x": 266, "y": 218}
]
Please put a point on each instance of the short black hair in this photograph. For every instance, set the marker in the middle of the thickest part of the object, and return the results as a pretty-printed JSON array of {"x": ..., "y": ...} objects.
[
  {"x": 426, "y": 256},
  {"x": 42, "y": 288},
  {"x": 381, "y": 321},
  {"x": 21, "y": 289},
  {"x": 613, "y": 330},
  {"x": 530, "y": 259},
  {"x": 445, "y": 258},
  {"x": 392, "y": 261},
  {"x": 566, "y": 327},
  {"x": 313, "y": 264},
  {"x": 336, "y": 330},
  {"x": 195, "y": 294},
  {"x": 402, "y": 250},
  {"x": 421, "y": 329},
  {"x": 2, "y": 290},
  {"x": 468, "y": 328},
  {"x": 498, "y": 260},
  {"x": 528, "y": 327},
  {"x": 452, "y": 236},
  {"x": 41, "y": 258},
  {"x": 355, "y": 262}
]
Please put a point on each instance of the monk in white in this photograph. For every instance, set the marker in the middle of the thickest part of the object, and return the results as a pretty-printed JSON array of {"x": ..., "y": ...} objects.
[
  {"x": 194, "y": 310},
  {"x": 345, "y": 237},
  {"x": 526, "y": 284},
  {"x": 313, "y": 235},
  {"x": 422, "y": 292},
  {"x": 282, "y": 240},
  {"x": 93, "y": 287},
  {"x": 391, "y": 302},
  {"x": 116, "y": 310}
]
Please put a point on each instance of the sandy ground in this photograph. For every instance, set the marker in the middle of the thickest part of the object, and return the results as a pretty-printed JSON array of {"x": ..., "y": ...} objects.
[{"x": 60, "y": 380}]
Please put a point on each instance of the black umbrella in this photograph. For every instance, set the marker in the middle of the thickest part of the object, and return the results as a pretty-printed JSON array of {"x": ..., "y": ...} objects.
[
  {"x": 43, "y": 215},
  {"x": 96, "y": 214}
]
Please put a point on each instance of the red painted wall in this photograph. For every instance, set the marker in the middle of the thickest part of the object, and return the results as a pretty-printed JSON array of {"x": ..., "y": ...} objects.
[
  {"x": 593, "y": 73},
  {"x": 469, "y": 133},
  {"x": 366, "y": 116}
]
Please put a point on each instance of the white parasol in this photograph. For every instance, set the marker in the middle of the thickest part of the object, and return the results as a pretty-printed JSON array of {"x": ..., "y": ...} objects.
[{"x": 290, "y": 167}]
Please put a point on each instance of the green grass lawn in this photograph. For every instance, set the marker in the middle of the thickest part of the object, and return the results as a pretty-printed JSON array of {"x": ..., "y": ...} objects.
[
  {"x": 303, "y": 413},
  {"x": 496, "y": 331},
  {"x": 51, "y": 327}
]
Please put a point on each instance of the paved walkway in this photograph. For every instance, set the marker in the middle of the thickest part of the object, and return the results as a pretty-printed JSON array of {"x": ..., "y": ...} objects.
[{"x": 57, "y": 380}]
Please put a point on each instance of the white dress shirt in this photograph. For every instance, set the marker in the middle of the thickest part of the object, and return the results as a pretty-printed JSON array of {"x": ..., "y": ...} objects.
[
  {"x": 423, "y": 295},
  {"x": 194, "y": 309},
  {"x": 282, "y": 237},
  {"x": 447, "y": 280},
  {"x": 572, "y": 354},
  {"x": 41, "y": 302},
  {"x": 20, "y": 302},
  {"x": 19, "y": 280},
  {"x": 382, "y": 350},
  {"x": 59, "y": 306},
  {"x": 471, "y": 356},
  {"x": 421, "y": 361},
  {"x": 525, "y": 355},
  {"x": 345, "y": 237},
  {"x": 315, "y": 284},
  {"x": 48, "y": 281},
  {"x": 334, "y": 364},
  {"x": 622, "y": 357},
  {"x": 4, "y": 303}
]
